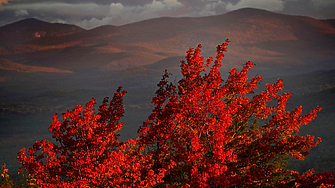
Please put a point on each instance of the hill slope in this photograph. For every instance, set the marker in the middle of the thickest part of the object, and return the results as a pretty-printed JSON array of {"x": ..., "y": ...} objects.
[
  {"x": 29, "y": 29},
  {"x": 273, "y": 41}
]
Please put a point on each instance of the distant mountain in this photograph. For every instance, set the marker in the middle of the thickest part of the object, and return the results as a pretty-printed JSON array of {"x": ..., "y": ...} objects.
[
  {"x": 29, "y": 29},
  {"x": 243, "y": 26},
  {"x": 271, "y": 40},
  {"x": 330, "y": 22}
]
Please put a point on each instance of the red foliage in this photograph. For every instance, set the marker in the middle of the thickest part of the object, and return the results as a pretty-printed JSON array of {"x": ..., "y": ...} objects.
[
  {"x": 88, "y": 153},
  {"x": 202, "y": 132}
]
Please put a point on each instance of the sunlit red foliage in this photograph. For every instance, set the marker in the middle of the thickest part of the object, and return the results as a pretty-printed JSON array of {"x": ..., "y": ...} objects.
[
  {"x": 88, "y": 153},
  {"x": 202, "y": 132}
]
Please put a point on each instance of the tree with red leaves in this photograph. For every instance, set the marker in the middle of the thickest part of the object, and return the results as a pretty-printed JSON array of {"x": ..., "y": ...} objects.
[
  {"x": 88, "y": 153},
  {"x": 202, "y": 132}
]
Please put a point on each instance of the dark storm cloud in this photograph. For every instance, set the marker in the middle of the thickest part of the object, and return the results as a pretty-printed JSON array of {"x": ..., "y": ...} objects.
[{"x": 92, "y": 13}]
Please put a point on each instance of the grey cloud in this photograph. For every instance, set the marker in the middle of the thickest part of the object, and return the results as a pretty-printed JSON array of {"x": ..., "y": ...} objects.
[
  {"x": 21, "y": 13},
  {"x": 117, "y": 13},
  {"x": 122, "y": 14},
  {"x": 93, "y": 13},
  {"x": 196, "y": 8},
  {"x": 271, "y": 5},
  {"x": 90, "y": 15},
  {"x": 213, "y": 8},
  {"x": 88, "y": 9}
]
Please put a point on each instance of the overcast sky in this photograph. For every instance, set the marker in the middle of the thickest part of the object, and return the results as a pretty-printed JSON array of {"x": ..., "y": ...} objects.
[{"x": 92, "y": 13}]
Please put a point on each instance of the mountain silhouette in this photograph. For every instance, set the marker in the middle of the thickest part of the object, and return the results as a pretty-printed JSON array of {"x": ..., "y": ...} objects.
[
  {"x": 29, "y": 29},
  {"x": 266, "y": 38}
]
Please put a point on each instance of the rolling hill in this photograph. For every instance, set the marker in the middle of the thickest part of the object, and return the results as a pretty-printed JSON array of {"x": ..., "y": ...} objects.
[
  {"x": 29, "y": 29},
  {"x": 266, "y": 38}
]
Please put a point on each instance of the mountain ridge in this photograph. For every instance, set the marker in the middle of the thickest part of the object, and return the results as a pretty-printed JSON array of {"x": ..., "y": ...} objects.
[
  {"x": 29, "y": 29},
  {"x": 116, "y": 48}
]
